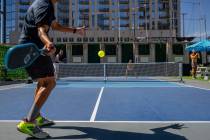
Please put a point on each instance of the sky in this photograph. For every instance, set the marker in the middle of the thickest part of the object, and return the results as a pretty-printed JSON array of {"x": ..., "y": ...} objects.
[{"x": 194, "y": 12}]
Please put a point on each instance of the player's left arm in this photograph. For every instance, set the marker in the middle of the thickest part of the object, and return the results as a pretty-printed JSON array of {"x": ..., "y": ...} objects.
[{"x": 56, "y": 26}]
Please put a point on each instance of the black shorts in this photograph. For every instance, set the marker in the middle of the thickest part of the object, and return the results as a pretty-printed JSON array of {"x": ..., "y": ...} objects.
[{"x": 41, "y": 67}]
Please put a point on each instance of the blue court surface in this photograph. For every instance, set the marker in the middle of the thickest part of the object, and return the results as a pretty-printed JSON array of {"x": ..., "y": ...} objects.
[{"x": 111, "y": 101}]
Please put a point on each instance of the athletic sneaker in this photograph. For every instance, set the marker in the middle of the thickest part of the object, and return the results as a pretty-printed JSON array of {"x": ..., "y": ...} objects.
[
  {"x": 41, "y": 121},
  {"x": 32, "y": 130}
]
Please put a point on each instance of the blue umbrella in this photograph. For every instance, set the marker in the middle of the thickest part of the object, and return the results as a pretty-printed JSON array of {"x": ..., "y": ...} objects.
[{"x": 199, "y": 46}]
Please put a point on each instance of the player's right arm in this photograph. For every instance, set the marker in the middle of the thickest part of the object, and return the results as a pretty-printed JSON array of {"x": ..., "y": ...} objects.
[{"x": 42, "y": 32}]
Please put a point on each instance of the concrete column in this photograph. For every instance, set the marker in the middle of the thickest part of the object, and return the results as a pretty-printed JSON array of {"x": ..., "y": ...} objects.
[
  {"x": 150, "y": 13},
  {"x": 152, "y": 52},
  {"x": 69, "y": 53},
  {"x": 96, "y": 15},
  {"x": 76, "y": 20},
  {"x": 85, "y": 53},
  {"x": 171, "y": 13},
  {"x": 70, "y": 13},
  {"x": 90, "y": 15},
  {"x": 119, "y": 53},
  {"x": 135, "y": 53},
  {"x": 116, "y": 18},
  {"x": 169, "y": 52},
  {"x": 110, "y": 15},
  {"x": 156, "y": 14},
  {"x": 179, "y": 17},
  {"x": 130, "y": 14}
]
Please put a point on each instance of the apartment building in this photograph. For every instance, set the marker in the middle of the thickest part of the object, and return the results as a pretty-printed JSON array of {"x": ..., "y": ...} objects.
[{"x": 141, "y": 30}]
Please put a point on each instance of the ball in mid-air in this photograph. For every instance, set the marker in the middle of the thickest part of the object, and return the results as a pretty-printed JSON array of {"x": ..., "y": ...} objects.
[{"x": 101, "y": 53}]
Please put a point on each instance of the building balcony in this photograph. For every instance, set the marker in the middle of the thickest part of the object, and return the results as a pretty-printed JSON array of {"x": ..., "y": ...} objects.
[
  {"x": 104, "y": 2},
  {"x": 124, "y": 1},
  {"x": 164, "y": 9},
  {"x": 84, "y": 10},
  {"x": 84, "y": 2},
  {"x": 84, "y": 18},
  {"x": 124, "y": 25},
  {"x": 104, "y": 18},
  {"x": 24, "y": 3},
  {"x": 164, "y": 17},
  {"x": 143, "y": 17},
  {"x": 124, "y": 18},
  {"x": 125, "y": 10},
  {"x": 104, "y": 10}
]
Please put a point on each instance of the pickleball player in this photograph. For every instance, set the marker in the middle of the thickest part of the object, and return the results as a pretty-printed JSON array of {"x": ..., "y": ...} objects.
[{"x": 38, "y": 20}]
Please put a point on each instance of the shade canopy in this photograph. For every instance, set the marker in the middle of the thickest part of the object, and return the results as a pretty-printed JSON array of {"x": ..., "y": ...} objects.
[{"x": 199, "y": 46}]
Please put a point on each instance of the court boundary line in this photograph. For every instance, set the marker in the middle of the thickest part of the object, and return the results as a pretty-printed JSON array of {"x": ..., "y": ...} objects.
[
  {"x": 191, "y": 86},
  {"x": 148, "y": 122},
  {"x": 6, "y": 87},
  {"x": 93, "y": 116}
]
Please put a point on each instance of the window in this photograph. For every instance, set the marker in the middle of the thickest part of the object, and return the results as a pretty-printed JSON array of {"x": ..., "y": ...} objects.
[
  {"x": 91, "y": 39},
  {"x": 85, "y": 39},
  {"x": 110, "y": 49},
  {"x": 127, "y": 39},
  {"x": 106, "y": 39},
  {"x": 79, "y": 39},
  {"x": 71, "y": 39},
  {"x": 111, "y": 39},
  {"x": 59, "y": 39},
  {"x": 144, "y": 49},
  {"x": 99, "y": 39},
  {"x": 65, "y": 40},
  {"x": 178, "y": 49},
  {"x": 77, "y": 50}
]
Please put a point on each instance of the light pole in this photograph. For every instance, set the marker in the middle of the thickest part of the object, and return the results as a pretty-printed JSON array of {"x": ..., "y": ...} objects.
[
  {"x": 205, "y": 27},
  {"x": 3, "y": 21}
]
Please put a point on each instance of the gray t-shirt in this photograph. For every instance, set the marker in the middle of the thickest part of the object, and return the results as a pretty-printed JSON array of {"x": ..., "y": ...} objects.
[{"x": 41, "y": 12}]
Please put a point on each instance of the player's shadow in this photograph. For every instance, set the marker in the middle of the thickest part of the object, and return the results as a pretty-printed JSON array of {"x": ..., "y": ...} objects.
[{"x": 105, "y": 134}]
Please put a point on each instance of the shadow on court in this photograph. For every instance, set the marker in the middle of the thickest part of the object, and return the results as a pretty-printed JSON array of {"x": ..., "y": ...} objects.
[{"x": 104, "y": 134}]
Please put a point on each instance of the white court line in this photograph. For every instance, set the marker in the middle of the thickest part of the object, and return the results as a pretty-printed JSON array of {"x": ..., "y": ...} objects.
[
  {"x": 12, "y": 86},
  {"x": 93, "y": 116},
  {"x": 144, "y": 122},
  {"x": 191, "y": 86}
]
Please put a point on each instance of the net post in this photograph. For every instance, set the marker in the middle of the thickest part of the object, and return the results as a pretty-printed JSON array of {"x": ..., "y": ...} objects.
[
  {"x": 56, "y": 70},
  {"x": 181, "y": 72},
  {"x": 104, "y": 72}
]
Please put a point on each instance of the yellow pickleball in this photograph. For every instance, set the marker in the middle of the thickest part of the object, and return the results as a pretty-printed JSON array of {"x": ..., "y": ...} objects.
[{"x": 101, "y": 53}]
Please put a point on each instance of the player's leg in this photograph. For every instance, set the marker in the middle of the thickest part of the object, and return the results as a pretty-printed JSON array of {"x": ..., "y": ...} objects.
[
  {"x": 42, "y": 69},
  {"x": 41, "y": 97},
  {"x": 45, "y": 85},
  {"x": 28, "y": 125},
  {"x": 40, "y": 120}
]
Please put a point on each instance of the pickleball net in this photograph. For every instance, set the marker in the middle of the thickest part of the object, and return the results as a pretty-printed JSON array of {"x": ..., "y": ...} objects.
[{"x": 146, "y": 72}]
